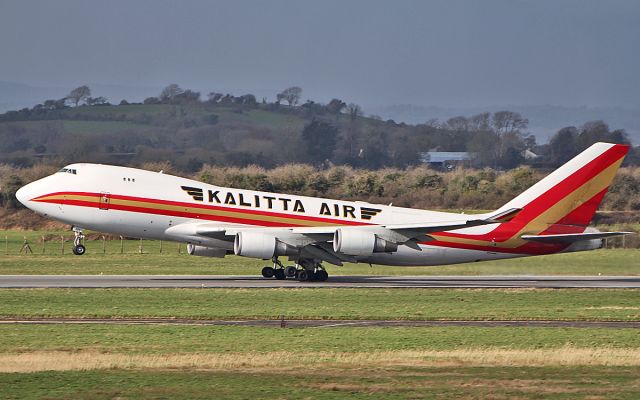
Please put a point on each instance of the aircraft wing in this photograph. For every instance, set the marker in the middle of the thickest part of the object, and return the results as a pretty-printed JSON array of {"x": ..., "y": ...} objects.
[{"x": 315, "y": 241}]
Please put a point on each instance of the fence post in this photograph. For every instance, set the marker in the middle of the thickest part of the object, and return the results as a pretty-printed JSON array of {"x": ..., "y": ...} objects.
[
  {"x": 140, "y": 249},
  {"x": 179, "y": 251},
  {"x": 161, "y": 247},
  {"x": 121, "y": 245},
  {"x": 104, "y": 245},
  {"x": 43, "y": 244},
  {"x": 62, "y": 241},
  {"x": 6, "y": 244}
]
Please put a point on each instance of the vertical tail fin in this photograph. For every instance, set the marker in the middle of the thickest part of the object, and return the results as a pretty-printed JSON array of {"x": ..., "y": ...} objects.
[{"x": 570, "y": 195}]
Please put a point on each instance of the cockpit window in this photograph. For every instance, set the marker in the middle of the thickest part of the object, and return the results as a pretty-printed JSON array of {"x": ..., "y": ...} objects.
[{"x": 68, "y": 171}]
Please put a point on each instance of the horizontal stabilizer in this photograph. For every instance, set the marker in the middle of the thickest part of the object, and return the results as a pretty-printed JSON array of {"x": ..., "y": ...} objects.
[
  {"x": 572, "y": 237},
  {"x": 505, "y": 216}
]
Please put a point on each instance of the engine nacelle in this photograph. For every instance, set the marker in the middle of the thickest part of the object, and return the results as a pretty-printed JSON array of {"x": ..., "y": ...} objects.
[
  {"x": 259, "y": 245},
  {"x": 360, "y": 243},
  {"x": 204, "y": 251}
]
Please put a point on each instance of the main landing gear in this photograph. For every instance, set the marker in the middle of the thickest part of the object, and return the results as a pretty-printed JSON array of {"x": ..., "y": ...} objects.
[
  {"x": 78, "y": 247},
  {"x": 303, "y": 271}
]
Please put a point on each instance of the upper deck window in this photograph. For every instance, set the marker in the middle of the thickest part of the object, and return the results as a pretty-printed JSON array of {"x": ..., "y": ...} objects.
[{"x": 68, "y": 171}]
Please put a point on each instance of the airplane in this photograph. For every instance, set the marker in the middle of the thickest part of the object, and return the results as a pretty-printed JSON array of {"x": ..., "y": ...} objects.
[{"x": 552, "y": 216}]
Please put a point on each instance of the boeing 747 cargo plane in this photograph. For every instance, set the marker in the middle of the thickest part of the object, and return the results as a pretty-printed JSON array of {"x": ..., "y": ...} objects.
[{"x": 550, "y": 217}]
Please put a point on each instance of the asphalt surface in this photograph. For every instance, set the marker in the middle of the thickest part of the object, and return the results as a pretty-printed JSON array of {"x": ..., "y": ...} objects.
[
  {"x": 283, "y": 323},
  {"x": 228, "y": 281}
]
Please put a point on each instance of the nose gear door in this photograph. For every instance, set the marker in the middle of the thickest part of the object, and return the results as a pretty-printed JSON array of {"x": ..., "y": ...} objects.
[{"x": 105, "y": 200}]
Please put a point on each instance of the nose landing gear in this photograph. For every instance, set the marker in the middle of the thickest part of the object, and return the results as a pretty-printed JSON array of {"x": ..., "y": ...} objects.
[{"x": 78, "y": 247}]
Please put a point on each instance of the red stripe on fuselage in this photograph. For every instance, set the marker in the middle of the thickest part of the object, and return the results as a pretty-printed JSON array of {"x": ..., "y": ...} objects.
[{"x": 248, "y": 220}]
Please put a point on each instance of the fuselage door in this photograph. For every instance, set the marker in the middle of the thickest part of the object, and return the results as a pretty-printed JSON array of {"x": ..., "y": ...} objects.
[{"x": 105, "y": 199}]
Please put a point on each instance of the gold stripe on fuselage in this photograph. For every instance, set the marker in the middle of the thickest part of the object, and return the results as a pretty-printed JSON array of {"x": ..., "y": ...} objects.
[{"x": 239, "y": 214}]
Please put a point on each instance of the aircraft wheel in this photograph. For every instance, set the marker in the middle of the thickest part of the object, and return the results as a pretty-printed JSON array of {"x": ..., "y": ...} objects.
[
  {"x": 322, "y": 275},
  {"x": 268, "y": 272},
  {"x": 306, "y": 276},
  {"x": 79, "y": 250},
  {"x": 290, "y": 271},
  {"x": 279, "y": 273}
]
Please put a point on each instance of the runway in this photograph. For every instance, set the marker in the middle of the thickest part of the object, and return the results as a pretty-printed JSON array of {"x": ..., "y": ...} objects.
[{"x": 234, "y": 281}]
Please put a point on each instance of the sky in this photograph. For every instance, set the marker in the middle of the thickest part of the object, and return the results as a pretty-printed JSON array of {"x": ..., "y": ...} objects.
[{"x": 449, "y": 53}]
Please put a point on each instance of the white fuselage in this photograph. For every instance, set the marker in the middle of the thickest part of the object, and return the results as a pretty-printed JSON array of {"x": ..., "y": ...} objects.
[{"x": 151, "y": 205}]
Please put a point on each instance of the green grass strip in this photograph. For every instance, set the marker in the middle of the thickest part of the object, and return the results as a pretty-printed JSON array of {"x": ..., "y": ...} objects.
[
  {"x": 396, "y": 383},
  {"x": 325, "y": 303},
  {"x": 154, "y": 339}
]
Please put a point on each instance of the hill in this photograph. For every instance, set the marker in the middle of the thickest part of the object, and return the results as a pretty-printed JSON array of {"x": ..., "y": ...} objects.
[
  {"x": 189, "y": 135},
  {"x": 179, "y": 128}
]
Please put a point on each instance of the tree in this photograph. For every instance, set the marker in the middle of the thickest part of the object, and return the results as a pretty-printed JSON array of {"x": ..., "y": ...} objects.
[
  {"x": 187, "y": 96},
  {"x": 598, "y": 131},
  {"x": 170, "y": 92},
  {"x": 96, "y": 101},
  {"x": 79, "y": 94},
  {"x": 510, "y": 127},
  {"x": 320, "y": 139},
  {"x": 214, "y": 97},
  {"x": 54, "y": 104},
  {"x": 290, "y": 95},
  {"x": 354, "y": 111},
  {"x": 480, "y": 122},
  {"x": 458, "y": 124},
  {"x": 563, "y": 145},
  {"x": 9, "y": 190},
  {"x": 374, "y": 151},
  {"x": 151, "y": 100},
  {"x": 336, "y": 106},
  {"x": 248, "y": 100},
  {"x": 483, "y": 145},
  {"x": 508, "y": 121}
]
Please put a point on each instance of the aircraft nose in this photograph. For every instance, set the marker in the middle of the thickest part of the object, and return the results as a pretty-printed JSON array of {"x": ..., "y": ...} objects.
[{"x": 25, "y": 193}]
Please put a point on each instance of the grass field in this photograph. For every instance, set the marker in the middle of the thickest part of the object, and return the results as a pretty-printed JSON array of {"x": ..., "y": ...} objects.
[
  {"x": 402, "y": 382},
  {"x": 152, "y": 362},
  {"x": 326, "y": 303},
  {"x": 243, "y": 340},
  {"x": 48, "y": 259},
  {"x": 98, "y": 127},
  {"x": 70, "y": 361}
]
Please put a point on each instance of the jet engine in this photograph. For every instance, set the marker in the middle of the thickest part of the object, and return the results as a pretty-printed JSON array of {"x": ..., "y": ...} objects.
[
  {"x": 259, "y": 245},
  {"x": 360, "y": 243},
  {"x": 204, "y": 251}
]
